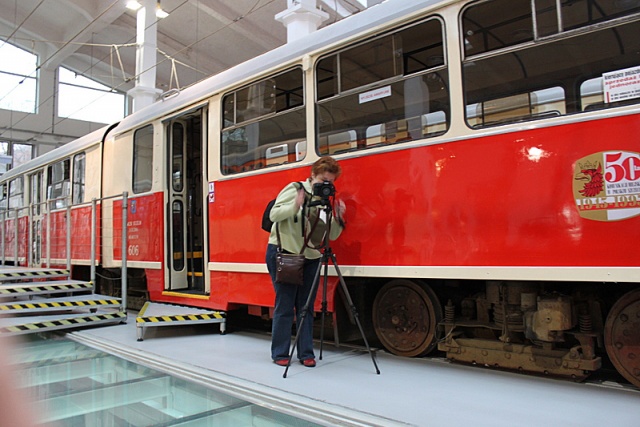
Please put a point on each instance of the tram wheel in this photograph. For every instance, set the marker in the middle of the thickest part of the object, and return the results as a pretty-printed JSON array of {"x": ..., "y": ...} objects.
[
  {"x": 622, "y": 336},
  {"x": 406, "y": 316}
]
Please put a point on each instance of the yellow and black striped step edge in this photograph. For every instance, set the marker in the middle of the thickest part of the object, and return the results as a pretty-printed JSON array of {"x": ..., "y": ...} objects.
[
  {"x": 18, "y": 274},
  {"x": 42, "y": 288},
  {"x": 63, "y": 323},
  {"x": 214, "y": 315},
  {"x": 39, "y": 305}
]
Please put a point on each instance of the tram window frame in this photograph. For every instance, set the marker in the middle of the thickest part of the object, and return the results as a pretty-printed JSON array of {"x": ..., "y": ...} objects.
[
  {"x": 565, "y": 59},
  {"x": 261, "y": 131},
  {"x": 417, "y": 66},
  {"x": 58, "y": 187},
  {"x": 16, "y": 193},
  {"x": 79, "y": 178},
  {"x": 142, "y": 173}
]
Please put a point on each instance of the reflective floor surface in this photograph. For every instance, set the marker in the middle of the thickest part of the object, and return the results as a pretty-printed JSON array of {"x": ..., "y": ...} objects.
[{"x": 75, "y": 385}]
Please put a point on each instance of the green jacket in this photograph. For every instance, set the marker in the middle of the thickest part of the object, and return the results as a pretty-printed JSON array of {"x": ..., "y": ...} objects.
[{"x": 289, "y": 219}]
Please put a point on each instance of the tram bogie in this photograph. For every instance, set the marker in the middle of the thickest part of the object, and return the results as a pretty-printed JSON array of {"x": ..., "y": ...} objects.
[{"x": 527, "y": 326}]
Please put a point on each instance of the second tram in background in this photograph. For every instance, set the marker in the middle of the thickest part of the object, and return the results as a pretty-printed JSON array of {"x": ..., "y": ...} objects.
[{"x": 491, "y": 178}]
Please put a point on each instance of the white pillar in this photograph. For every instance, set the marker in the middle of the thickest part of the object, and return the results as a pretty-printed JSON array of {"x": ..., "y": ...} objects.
[
  {"x": 145, "y": 93},
  {"x": 302, "y": 17}
]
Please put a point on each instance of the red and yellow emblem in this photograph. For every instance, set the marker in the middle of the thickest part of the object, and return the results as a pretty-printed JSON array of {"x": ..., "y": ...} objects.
[{"x": 606, "y": 185}]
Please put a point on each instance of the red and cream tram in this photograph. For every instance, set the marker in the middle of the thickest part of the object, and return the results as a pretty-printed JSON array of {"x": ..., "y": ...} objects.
[{"x": 491, "y": 176}]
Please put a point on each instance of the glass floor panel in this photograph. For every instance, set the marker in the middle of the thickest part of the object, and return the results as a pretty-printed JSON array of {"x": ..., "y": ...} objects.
[{"x": 76, "y": 385}]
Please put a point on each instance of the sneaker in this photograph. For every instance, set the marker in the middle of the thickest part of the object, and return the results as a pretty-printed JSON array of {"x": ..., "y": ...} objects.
[
  {"x": 309, "y": 363},
  {"x": 281, "y": 362}
]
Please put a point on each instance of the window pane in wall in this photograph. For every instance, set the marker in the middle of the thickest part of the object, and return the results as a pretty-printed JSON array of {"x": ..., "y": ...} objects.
[
  {"x": 81, "y": 98},
  {"x": 17, "y": 93},
  {"x": 17, "y": 79}
]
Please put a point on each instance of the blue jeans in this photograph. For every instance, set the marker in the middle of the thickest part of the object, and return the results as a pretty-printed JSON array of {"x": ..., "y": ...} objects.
[{"x": 288, "y": 299}]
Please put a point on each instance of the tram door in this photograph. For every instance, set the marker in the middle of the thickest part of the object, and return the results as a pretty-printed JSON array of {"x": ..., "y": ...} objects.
[
  {"x": 185, "y": 205},
  {"x": 37, "y": 212}
]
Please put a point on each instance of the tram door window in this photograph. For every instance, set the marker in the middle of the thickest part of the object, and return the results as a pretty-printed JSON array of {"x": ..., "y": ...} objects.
[
  {"x": 36, "y": 183},
  {"x": 77, "y": 192},
  {"x": 143, "y": 159},
  {"x": 391, "y": 89},
  {"x": 531, "y": 60},
  {"x": 186, "y": 198}
]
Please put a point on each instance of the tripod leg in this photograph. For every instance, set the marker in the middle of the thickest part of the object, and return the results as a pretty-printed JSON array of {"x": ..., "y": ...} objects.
[
  {"x": 303, "y": 314},
  {"x": 324, "y": 303},
  {"x": 354, "y": 311}
]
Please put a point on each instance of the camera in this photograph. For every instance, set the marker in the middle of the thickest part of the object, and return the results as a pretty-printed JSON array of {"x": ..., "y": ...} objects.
[{"x": 324, "y": 189}]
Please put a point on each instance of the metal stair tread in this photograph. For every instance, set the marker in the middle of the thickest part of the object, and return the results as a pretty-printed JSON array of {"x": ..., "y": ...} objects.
[
  {"x": 32, "y": 324},
  {"x": 92, "y": 301},
  {"x": 46, "y": 287}
]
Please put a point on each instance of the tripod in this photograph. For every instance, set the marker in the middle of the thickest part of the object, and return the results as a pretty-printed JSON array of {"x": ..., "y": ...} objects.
[{"x": 327, "y": 255}]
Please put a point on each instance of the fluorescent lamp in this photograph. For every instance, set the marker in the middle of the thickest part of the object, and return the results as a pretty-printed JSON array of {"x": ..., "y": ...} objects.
[
  {"x": 160, "y": 13},
  {"x": 133, "y": 5}
]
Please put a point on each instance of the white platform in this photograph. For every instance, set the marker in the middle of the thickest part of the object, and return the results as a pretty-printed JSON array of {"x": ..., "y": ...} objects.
[{"x": 345, "y": 390}]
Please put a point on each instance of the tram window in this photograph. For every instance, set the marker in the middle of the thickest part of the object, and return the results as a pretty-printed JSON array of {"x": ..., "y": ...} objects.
[
  {"x": 79, "y": 161},
  {"x": 265, "y": 123},
  {"x": 58, "y": 184},
  {"x": 556, "y": 64},
  {"x": 400, "y": 95},
  {"x": 36, "y": 192},
  {"x": 3, "y": 197},
  {"x": 16, "y": 193},
  {"x": 578, "y": 13},
  {"x": 592, "y": 94},
  {"x": 143, "y": 159},
  {"x": 526, "y": 106}
]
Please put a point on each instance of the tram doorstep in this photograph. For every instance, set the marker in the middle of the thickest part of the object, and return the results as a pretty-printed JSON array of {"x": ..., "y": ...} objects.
[{"x": 158, "y": 314}]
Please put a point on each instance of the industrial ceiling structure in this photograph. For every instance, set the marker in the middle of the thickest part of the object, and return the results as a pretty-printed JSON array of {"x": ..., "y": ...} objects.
[{"x": 196, "y": 38}]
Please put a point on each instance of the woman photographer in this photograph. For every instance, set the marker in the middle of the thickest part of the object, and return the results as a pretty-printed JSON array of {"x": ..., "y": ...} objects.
[{"x": 291, "y": 214}]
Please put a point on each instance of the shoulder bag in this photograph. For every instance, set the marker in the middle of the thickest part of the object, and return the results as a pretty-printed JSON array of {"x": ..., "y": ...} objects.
[{"x": 290, "y": 267}]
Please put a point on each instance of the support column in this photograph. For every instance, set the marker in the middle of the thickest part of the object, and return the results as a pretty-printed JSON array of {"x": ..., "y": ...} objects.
[
  {"x": 145, "y": 93},
  {"x": 302, "y": 17}
]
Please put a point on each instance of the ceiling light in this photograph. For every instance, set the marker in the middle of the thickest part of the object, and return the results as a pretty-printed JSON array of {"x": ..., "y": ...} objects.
[
  {"x": 133, "y": 5},
  {"x": 160, "y": 13}
]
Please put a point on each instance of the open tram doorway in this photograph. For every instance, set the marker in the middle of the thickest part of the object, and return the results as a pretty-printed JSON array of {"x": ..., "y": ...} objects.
[{"x": 186, "y": 256}]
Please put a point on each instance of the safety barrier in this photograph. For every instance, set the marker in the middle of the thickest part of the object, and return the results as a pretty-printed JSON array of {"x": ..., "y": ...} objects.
[{"x": 26, "y": 228}]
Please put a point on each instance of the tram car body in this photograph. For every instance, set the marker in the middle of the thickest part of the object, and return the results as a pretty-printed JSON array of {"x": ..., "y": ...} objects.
[{"x": 490, "y": 171}]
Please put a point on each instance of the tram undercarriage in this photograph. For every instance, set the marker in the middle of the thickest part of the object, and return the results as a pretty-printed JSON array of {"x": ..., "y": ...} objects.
[
  {"x": 532, "y": 327},
  {"x": 515, "y": 327}
]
